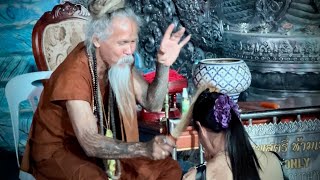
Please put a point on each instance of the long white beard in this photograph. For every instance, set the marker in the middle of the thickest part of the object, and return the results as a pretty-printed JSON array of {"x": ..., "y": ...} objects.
[{"x": 121, "y": 84}]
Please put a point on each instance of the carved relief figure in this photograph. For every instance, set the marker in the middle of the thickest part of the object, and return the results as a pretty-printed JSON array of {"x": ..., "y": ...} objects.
[{"x": 56, "y": 45}]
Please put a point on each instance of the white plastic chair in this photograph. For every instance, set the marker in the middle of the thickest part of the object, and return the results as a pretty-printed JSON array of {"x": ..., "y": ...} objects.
[
  {"x": 21, "y": 88},
  {"x": 34, "y": 97}
]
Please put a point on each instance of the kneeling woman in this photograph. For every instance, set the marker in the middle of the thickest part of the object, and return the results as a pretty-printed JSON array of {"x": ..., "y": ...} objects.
[{"x": 228, "y": 152}]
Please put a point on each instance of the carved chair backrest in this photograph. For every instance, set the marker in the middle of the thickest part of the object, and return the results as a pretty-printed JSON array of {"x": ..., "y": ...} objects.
[{"x": 56, "y": 33}]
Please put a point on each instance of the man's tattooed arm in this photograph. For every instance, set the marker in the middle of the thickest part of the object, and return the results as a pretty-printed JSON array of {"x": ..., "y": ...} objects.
[
  {"x": 96, "y": 145},
  {"x": 151, "y": 96}
]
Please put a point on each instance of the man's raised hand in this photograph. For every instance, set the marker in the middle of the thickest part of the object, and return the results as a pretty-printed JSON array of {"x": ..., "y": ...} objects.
[{"x": 171, "y": 45}]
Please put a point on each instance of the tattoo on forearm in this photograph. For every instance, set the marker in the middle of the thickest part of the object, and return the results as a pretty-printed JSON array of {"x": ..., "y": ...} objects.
[
  {"x": 97, "y": 145},
  {"x": 158, "y": 88}
]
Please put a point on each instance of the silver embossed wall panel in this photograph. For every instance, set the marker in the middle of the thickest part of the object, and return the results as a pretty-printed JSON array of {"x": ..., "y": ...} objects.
[
  {"x": 197, "y": 16},
  {"x": 278, "y": 39},
  {"x": 298, "y": 143}
]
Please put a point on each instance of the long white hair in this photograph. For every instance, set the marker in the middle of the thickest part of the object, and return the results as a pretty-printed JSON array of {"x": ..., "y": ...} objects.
[{"x": 101, "y": 27}]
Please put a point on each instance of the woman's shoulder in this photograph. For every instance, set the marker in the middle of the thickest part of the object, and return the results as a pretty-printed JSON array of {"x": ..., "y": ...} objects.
[
  {"x": 267, "y": 157},
  {"x": 270, "y": 165},
  {"x": 219, "y": 168}
]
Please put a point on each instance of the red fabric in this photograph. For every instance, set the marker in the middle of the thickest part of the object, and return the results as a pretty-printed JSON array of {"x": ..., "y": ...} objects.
[
  {"x": 173, "y": 76},
  {"x": 146, "y": 169}
]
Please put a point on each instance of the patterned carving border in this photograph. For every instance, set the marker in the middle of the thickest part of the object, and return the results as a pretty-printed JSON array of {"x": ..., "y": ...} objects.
[
  {"x": 272, "y": 48},
  {"x": 274, "y": 53},
  {"x": 282, "y": 128}
]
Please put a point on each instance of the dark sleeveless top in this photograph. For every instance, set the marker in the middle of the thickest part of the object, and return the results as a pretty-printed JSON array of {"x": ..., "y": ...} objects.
[{"x": 201, "y": 172}]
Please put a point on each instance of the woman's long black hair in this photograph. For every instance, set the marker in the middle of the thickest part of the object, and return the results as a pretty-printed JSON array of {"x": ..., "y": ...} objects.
[{"x": 244, "y": 162}]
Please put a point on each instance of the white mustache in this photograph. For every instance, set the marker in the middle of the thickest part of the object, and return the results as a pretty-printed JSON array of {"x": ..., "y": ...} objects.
[{"x": 125, "y": 60}]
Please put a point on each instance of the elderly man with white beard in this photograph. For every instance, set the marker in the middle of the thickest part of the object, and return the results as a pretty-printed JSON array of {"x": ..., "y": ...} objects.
[{"x": 86, "y": 126}]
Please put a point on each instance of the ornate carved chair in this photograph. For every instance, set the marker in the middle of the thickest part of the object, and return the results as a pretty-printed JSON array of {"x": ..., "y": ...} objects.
[{"x": 56, "y": 33}]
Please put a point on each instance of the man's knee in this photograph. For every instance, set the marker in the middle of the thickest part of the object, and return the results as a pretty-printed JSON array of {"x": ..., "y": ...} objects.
[
  {"x": 172, "y": 169},
  {"x": 90, "y": 171}
]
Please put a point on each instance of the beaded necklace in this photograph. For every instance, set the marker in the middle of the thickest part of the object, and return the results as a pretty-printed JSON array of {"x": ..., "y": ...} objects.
[
  {"x": 99, "y": 113},
  {"x": 97, "y": 106}
]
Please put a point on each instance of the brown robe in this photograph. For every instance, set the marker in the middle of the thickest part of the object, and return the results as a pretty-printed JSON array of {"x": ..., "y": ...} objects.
[{"x": 53, "y": 151}]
